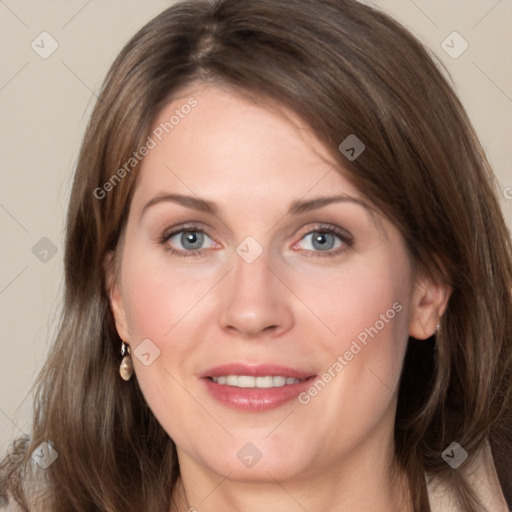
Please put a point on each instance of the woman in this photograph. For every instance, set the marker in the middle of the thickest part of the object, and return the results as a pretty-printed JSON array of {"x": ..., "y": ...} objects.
[{"x": 337, "y": 335}]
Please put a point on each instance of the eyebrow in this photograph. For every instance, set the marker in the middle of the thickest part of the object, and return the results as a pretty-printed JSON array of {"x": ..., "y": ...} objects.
[{"x": 297, "y": 207}]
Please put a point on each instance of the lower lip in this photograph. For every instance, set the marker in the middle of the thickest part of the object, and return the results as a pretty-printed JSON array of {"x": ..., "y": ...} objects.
[{"x": 255, "y": 399}]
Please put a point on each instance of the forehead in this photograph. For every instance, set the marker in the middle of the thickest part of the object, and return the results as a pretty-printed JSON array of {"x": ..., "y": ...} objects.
[{"x": 227, "y": 144}]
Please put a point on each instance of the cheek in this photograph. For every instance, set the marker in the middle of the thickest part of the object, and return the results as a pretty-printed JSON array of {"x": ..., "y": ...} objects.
[
  {"x": 366, "y": 311},
  {"x": 159, "y": 296},
  {"x": 361, "y": 301},
  {"x": 160, "y": 306}
]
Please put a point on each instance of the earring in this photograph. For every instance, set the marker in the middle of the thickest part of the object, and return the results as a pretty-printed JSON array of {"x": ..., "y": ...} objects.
[
  {"x": 438, "y": 328},
  {"x": 126, "y": 367}
]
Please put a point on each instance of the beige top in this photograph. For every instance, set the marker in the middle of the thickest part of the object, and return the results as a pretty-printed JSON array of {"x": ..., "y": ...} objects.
[
  {"x": 483, "y": 479},
  {"x": 481, "y": 474}
]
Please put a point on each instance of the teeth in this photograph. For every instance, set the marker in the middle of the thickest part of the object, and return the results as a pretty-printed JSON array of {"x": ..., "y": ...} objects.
[
  {"x": 278, "y": 381},
  {"x": 247, "y": 381},
  {"x": 231, "y": 380}
]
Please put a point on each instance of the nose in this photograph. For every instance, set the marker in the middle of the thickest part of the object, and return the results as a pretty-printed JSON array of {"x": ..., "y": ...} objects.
[{"x": 256, "y": 300}]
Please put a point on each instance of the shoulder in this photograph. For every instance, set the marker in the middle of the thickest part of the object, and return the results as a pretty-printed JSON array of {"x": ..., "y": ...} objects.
[
  {"x": 13, "y": 506},
  {"x": 35, "y": 500},
  {"x": 482, "y": 477},
  {"x": 10, "y": 507}
]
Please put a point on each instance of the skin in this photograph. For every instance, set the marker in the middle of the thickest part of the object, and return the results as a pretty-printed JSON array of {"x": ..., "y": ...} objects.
[{"x": 288, "y": 307}]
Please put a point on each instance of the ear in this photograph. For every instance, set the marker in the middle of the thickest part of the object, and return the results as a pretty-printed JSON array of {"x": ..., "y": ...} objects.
[
  {"x": 113, "y": 289},
  {"x": 429, "y": 302}
]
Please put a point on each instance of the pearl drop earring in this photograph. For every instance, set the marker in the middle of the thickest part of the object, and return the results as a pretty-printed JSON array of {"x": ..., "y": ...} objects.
[{"x": 126, "y": 367}]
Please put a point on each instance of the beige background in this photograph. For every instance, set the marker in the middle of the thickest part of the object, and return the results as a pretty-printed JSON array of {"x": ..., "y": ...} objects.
[{"x": 45, "y": 104}]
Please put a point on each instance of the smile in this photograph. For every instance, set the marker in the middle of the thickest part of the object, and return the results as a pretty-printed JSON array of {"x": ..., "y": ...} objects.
[{"x": 255, "y": 387}]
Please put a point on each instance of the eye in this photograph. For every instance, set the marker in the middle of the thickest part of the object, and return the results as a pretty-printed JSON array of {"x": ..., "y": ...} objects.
[
  {"x": 326, "y": 239},
  {"x": 186, "y": 241}
]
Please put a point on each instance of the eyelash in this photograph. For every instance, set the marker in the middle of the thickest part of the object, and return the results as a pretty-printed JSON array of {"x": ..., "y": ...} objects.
[{"x": 345, "y": 238}]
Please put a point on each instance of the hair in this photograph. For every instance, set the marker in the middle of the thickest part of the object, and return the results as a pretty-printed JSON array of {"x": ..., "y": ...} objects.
[{"x": 344, "y": 68}]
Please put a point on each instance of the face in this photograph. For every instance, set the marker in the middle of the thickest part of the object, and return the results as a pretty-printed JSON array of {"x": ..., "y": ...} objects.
[{"x": 266, "y": 303}]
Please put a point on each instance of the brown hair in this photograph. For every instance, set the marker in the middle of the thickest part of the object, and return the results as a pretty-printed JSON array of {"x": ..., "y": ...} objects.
[{"x": 344, "y": 68}]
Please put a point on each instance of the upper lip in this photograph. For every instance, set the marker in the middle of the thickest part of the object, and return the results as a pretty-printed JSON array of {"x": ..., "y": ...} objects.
[{"x": 255, "y": 370}]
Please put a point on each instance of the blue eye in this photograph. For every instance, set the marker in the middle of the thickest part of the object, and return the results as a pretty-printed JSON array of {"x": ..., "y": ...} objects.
[
  {"x": 322, "y": 240},
  {"x": 191, "y": 240},
  {"x": 185, "y": 242},
  {"x": 326, "y": 241}
]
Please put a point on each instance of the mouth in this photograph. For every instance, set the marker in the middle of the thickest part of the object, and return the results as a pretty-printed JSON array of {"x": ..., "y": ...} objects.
[{"x": 255, "y": 388}]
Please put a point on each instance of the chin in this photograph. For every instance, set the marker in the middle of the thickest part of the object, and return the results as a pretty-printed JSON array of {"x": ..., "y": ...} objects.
[{"x": 259, "y": 461}]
